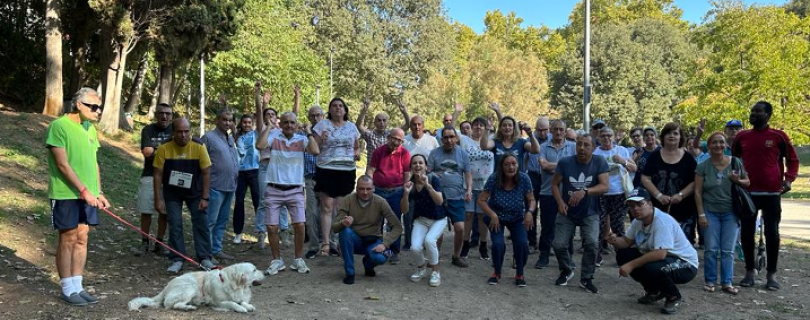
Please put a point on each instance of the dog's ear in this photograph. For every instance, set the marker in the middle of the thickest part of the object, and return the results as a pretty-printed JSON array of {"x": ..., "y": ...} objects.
[{"x": 243, "y": 280}]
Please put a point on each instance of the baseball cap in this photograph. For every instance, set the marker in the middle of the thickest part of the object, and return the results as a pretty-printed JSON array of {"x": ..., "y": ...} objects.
[
  {"x": 598, "y": 122},
  {"x": 734, "y": 123},
  {"x": 638, "y": 194}
]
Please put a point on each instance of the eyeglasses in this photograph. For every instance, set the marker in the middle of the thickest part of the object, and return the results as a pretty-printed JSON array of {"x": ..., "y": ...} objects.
[
  {"x": 448, "y": 137},
  {"x": 164, "y": 113},
  {"x": 93, "y": 107}
]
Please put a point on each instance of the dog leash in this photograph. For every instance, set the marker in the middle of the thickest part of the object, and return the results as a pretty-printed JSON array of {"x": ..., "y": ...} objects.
[{"x": 156, "y": 240}]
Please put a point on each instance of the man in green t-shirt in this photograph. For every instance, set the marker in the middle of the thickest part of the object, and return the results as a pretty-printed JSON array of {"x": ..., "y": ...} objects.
[{"x": 74, "y": 187}]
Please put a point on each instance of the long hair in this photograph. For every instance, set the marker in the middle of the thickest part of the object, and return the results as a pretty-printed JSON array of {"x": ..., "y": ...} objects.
[
  {"x": 411, "y": 162},
  {"x": 515, "y": 131},
  {"x": 500, "y": 177},
  {"x": 345, "y": 106}
]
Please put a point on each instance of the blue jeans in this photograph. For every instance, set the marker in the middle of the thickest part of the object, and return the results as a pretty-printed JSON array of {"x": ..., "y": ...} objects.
[
  {"x": 258, "y": 221},
  {"x": 199, "y": 225},
  {"x": 351, "y": 243},
  {"x": 721, "y": 236},
  {"x": 393, "y": 198},
  {"x": 589, "y": 231},
  {"x": 520, "y": 244},
  {"x": 548, "y": 220},
  {"x": 219, "y": 210}
]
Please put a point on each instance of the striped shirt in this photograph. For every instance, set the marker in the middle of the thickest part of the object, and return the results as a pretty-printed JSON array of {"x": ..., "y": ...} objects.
[{"x": 286, "y": 159}]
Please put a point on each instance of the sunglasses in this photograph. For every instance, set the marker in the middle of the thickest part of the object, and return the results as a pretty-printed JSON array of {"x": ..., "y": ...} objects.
[{"x": 93, "y": 107}]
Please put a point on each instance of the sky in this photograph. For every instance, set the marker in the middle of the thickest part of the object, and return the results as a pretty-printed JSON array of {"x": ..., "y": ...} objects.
[{"x": 554, "y": 13}]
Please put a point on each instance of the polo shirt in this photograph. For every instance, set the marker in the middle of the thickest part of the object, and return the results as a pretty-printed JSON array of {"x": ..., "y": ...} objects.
[
  {"x": 390, "y": 166},
  {"x": 286, "y": 159},
  {"x": 182, "y": 169}
]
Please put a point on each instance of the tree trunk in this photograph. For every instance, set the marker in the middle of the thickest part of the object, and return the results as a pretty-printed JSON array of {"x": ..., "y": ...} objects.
[
  {"x": 134, "y": 99},
  {"x": 81, "y": 16},
  {"x": 53, "y": 48},
  {"x": 119, "y": 85},
  {"x": 110, "y": 118},
  {"x": 150, "y": 114},
  {"x": 166, "y": 79}
]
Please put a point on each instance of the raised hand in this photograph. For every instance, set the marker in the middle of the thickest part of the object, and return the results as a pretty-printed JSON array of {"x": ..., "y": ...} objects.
[
  {"x": 459, "y": 107},
  {"x": 257, "y": 88},
  {"x": 297, "y": 90},
  {"x": 407, "y": 187},
  {"x": 267, "y": 97},
  {"x": 222, "y": 99},
  {"x": 495, "y": 107},
  {"x": 702, "y": 124},
  {"x": 366, "y": 103}
]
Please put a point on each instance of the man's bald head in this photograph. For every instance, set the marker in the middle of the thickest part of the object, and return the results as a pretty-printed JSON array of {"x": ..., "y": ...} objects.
[{"x": 181, "y": 131}]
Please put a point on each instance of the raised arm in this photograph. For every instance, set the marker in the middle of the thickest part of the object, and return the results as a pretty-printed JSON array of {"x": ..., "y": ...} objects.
[
  {"x": 456, "y": 114},
  {"x": 698, "y": 134},
  {"x": 497, "y": 108},
  {"x": 257, "y": 99},
  {"x": 362, "y": 116},
  {"x": 296, "y": 99},
  {"x": 404, "y": 111}
]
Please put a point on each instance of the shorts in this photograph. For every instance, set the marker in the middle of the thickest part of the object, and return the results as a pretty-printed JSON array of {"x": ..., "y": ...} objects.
[
  {"x": 276, "y": 199},
  {"x": 146, "y": 196},
  {"x": 473, "y": 206},
  {"x": 454, "y": 209},
  {"x": 68, "y": 214},
  {"x": 334, "y": 183}
]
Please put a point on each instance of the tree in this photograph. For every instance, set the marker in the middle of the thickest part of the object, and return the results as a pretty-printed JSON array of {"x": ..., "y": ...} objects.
[
  {"x": 638, "y": 73},
  {"x": 53, "y": 45},
  {"x": 756, "y": 53}
]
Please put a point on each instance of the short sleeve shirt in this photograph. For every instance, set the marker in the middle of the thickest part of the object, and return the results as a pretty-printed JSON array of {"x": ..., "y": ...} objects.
[
  {"x": 286, "y": 165},
  {"x": 423, "y": 145},
  {"x": 553, "y": 155},
  {"x": 664, "y": 233},
  {"x": 224, "y": 160},
  {"x": 516, "y": 149},
  {"x": 182, "y": 169},
  {"x": 671, "y": 179},
  {"x": 482, "y": 162},
  {"x": 337, "y": 150},
  {"x": 717, "y": 186},
  {"x": 509, "y": 205},
  {"x": 80, "y": 142},
  {"x": 373, "y": 140},
  {"x": 450, "y": 167},
  {"x": 615, "y": 187},
  {"x": 152, "y": 136},
  {"x": 423, "y": 205},
  {"x": 246, "y": 149},
  {"x": 390, "y": 166},
  {"x": 578, "y": 176}
]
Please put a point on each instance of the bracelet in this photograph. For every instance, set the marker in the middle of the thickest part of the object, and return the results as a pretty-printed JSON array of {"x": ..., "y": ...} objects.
[
  {"x": 659, "y": 196},
  {"x": 206, "y": 199},
  {"x": 680, "y": 194},
  {"x": 702, "y": 215}
]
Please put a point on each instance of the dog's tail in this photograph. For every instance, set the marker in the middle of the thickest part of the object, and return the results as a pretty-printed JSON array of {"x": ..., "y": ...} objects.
[{"x": 154, "y": 302}]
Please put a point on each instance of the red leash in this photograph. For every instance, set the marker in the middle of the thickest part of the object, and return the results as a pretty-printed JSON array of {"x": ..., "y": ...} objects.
[{"x": 155, "y": 239}]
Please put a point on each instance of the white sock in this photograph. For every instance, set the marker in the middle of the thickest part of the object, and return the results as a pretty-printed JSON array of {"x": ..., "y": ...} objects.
[
  {"x": 67, "y": 286},
  {"x": 77, "y": 283}
]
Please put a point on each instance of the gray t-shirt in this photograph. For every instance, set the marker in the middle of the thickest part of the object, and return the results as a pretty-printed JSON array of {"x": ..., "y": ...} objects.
[
  {"x": 717, "y": 186},
  {"x": 578, "y": 176},
  {"x": 224, "y": 160},
  {"x": 450, "y": 167},
  {"x": 663, "y": 233},
  {"x": 553, "y": 155}
]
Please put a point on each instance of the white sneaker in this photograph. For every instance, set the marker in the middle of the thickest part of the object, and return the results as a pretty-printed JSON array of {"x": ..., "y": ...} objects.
[
  {"x": 435, "y": 279},
  {"x": 419, "y": 274},
  {"x": 237, "y": 239},
  {"x": 175, "y": 267},
  {"x": 275, "y": 267},
  {"x": 300, "y": 266},
  {"x": 262, "y": 240}
]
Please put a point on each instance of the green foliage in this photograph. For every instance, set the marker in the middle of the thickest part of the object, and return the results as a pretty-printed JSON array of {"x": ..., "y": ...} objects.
[
  {"x": 757, "y": 53},
  {"x": 22, "y": 51},
  {"x": 637, "y": 71}
]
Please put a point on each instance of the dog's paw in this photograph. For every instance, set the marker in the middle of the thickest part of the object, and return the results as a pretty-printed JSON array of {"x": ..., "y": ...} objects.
[
  {"x": 240, "y": 309},
  {"x": 248, "y": 306}
]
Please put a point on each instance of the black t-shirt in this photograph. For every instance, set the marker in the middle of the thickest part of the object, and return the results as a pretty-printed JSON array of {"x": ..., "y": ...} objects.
[
  {"x": 670, "y": 179},
  {"x": 152, "y": 136}
]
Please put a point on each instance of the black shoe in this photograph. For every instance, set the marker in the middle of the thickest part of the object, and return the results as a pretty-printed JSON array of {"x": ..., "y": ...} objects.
[
  {"x": 650, "y": 298},
  {"x": 564, "y": 277},
  {"x": 520, "y": 281},
  {"x": 458, "y": 262},
  {"x": 671, "y": 305},
  {"x": 542, "y": 262},
  {"x": 465, "y": 250},
  {"x": 143, "y": 250},
  {"x": 311, "y": 254},
  {"x": 587, "y": 284},
  {"x": 369, "y": 272},
  {"x": 158, "y": 248},
  {"x": 482, "y": 250},
  {"x": 493, "y": 280},
  {"x": 348, "y": 279}
]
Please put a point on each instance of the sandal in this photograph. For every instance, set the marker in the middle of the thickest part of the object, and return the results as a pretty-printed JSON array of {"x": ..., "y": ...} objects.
[
  {"x": 747, "y": 282},
  {"x": 324, "y": 252},
  {"x": 709, "y": 288},
  {"x": 731, "y": 290},
  {"x": 772, "y": 285}
]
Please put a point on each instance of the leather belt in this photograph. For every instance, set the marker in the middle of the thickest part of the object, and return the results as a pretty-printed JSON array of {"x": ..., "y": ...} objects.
[{"x": 283, "y": 187}]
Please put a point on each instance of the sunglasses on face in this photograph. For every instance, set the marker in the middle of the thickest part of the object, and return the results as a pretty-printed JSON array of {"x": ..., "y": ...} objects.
[{"x": 93, "y": 107}]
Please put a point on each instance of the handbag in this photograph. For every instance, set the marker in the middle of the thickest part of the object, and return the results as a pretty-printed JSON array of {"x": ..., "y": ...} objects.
[
  {"x": 741, "y": 201},
  {"x": 626, "y": 181}
]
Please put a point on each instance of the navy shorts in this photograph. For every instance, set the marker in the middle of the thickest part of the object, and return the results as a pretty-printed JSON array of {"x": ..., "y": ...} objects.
[
  {"x": 68, "y": 214},
  {"x": 454, "y": 209}
]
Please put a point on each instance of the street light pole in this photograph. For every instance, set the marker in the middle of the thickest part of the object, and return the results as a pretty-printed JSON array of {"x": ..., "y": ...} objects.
[
  {"x": 586, "y": 92},
  {"x": 331, "y": 52}
]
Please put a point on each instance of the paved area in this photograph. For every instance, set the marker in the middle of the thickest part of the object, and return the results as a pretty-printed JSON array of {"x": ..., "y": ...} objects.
[{"x": 795, "y": 219}]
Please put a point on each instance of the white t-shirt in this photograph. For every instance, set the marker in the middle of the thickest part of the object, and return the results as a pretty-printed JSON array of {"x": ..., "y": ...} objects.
[
  {"x": 663, "y": 233},
  {"x": 615, "y": 179},
  {"x": 423, "y": 145},
  {"x": 286, "y": 165},
  {"x": 337, "y": 151},
  {"x": 482, "y": 162}
]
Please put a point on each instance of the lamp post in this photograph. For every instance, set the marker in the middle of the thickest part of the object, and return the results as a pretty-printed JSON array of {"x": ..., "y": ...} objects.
[{"x": 586, "y": 92}]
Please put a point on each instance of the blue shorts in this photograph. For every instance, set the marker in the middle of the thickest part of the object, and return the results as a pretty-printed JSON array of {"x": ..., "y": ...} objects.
[
  {"x": 68, "y": 214},
  {"x": 454, "y": 209},
  {"x": 473, "y": 206}
]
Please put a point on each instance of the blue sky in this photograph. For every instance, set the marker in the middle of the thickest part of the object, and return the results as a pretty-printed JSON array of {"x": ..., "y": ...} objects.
[{"x": 553, "y": 13}]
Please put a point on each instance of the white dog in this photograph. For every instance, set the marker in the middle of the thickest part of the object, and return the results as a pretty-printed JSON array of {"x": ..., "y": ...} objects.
[{"x": 224, "y": 290}]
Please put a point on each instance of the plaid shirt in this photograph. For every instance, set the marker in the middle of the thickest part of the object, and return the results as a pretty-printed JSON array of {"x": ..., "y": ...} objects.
[
  {"x": 309, "y": 165},
  {"x": 373, "y": 140}
]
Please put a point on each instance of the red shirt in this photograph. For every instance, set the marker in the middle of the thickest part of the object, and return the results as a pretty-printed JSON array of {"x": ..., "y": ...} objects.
[
  {"x": 390, "y": 166},
  {"x": 762, "y": 153}
]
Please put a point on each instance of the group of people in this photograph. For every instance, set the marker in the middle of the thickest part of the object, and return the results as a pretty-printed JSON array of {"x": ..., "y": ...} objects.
[{"x": 479, "y": 180}]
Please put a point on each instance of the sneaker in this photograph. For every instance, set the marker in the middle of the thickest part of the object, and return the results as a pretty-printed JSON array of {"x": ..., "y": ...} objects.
[
  {"x": 348, "y": 279},
  {"x": 587, "y": 284},
  {"x": 275, "y": 267},
  {"x": 435, "y": 279},
  {"x": 74, "y": 299},
  {"x": 224, "y": 256},
  {"x": 406, "y": 247},
  {"x": 482, "y": 250},
  {"x": 458, "y": 262},
  {"x": 311, "y": 254},
  {"x": 671, "y": 306},
  {"x": 214, "y": 260},
  {"x": 394, "y": 260},
  {"x": 237, "y": 239},
  {"x": 207, "y": 264},
  {"x": 87, "y": 297},
  {"x": 564, "y": 277},
  {"x": 542, "y": 261},
  {"x": 175, "y": 267},
  {"x": 465, "y": 250},
  {"x": 419, "y": 274},
  {"x": 300, "y": 266},
  {"x": 262, "y": 240},
  {"x": 520, "y": 281},
  {"x": 650, "y": 298},
  {"x": 494, "y": 279},
  {"x": 143, "y": 250},
  {"x": 599, "y": 260}
]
